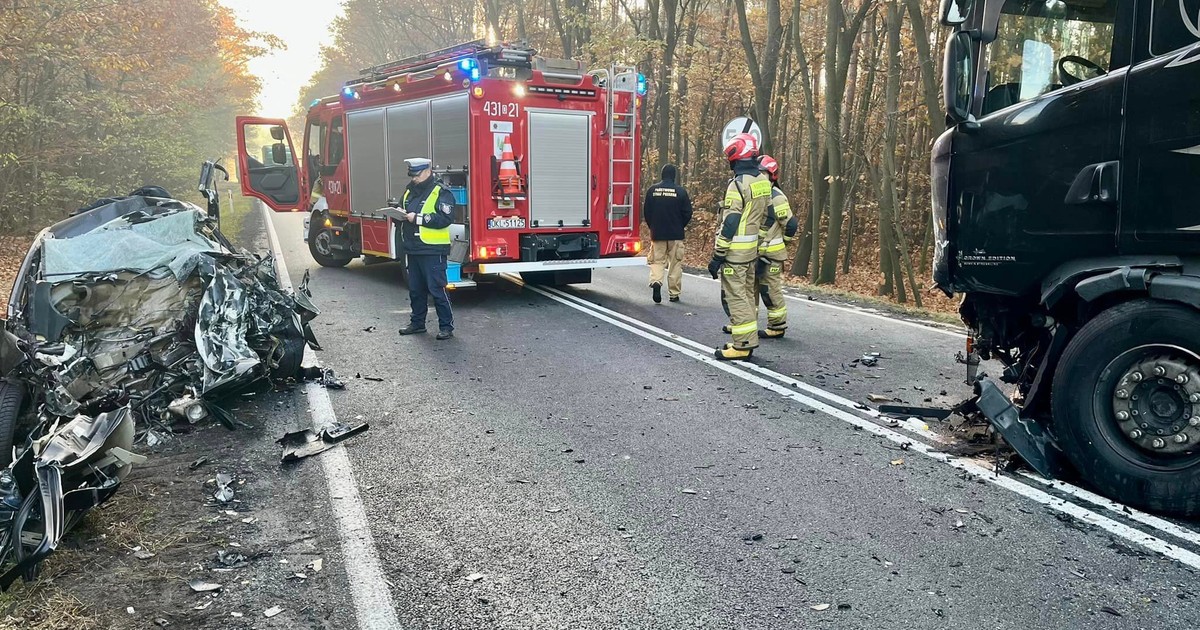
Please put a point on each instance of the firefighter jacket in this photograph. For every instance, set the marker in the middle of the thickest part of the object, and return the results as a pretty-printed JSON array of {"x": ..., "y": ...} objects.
[
  {"x": 433, "y": 204},
  {"x": 742, "y": 213},
  {"x": 778, "y": 228},
  {"x": 667, "y": 208}
]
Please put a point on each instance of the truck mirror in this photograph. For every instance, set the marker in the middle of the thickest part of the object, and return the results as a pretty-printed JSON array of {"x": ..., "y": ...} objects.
[
  {"x": 277, "y": 133},
  {"x": 279, "y": 153},
  {"x": 955, "y": 12},
  {"x": 958, "y": 80}
]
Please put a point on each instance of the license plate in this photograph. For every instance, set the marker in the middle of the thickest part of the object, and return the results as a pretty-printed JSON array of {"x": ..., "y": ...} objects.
[{"x": 506, "y": 223}]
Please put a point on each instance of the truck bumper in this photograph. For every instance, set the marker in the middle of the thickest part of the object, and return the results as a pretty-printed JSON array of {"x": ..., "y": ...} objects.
[
  {"x": 561, "y": 265},
  {"x": 1027, "y": 437}
]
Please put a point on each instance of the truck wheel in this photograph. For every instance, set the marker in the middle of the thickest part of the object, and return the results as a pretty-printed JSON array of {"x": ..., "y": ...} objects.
[
  {"x": 12, "y": 398},
  {"x": 1126, "y": 403},
  {"x": 322, "y": 252}
]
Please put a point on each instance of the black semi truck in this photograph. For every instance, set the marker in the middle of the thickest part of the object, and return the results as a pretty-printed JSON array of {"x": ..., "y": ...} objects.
[{"x": 1067, "y": 214}]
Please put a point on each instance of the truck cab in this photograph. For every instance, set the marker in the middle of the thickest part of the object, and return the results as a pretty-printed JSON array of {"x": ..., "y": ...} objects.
[{"x": 1067, "y": 214}]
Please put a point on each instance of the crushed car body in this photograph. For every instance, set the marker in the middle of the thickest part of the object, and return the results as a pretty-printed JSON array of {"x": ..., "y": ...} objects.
[{"x": 134, "y": 313}]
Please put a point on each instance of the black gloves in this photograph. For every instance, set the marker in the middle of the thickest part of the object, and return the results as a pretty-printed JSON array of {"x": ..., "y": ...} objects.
[{"x": 714, "y": 266}]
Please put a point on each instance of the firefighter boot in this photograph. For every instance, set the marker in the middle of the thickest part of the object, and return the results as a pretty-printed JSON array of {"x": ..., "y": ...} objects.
[
  {"x": 656, "y": 292},
  {"x": 730, "y": 353},
  {"x": 411, "y": 330},
  {"x": 737, "y": 282},
  {"x": 771, "y": 291}
]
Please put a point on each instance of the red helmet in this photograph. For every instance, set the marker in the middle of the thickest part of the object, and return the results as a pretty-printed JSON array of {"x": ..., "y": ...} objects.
[
  {"x": 768, "y": 165},
  {"x": 741, "y": 147}
]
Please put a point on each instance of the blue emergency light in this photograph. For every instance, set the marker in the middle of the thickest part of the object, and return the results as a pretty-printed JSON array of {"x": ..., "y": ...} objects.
[
  {"x": 471, "y": 67},
  {"x": 348, "y": 91},
  {"x": 641, "y": 85}
]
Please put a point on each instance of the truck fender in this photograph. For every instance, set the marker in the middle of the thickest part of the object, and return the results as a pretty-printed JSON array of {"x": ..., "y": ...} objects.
[
  {"x": 1067, "y": 278},
  {"x": 1173, "y": 287}
]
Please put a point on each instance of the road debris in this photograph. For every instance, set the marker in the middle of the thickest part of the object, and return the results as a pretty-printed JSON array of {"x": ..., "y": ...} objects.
[
  {"x": 688, "y": 491},
  {"x": 132, "y": 315},
  {"x": 475, "y": 577},
  {"x": 820, "y": 607},
  {"x": 316, "y": 565},
  {"x": 224, "y": 492},
  {"x": 200, "y": 585},
  {"x": 272, "y": 611},
  {"x": 1112, "y": 611}
]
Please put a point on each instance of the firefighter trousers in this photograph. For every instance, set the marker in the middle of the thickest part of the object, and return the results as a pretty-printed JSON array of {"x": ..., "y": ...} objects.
[
  {"x": 426, "y": 278},
  {"x": 668, "y": 255},
  {"x": 740, "y": 303},
  {"x": 769, "y": 278}
]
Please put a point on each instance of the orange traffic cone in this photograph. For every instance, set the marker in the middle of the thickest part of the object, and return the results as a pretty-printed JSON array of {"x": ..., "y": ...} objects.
[{"x": 510, "y": 181}]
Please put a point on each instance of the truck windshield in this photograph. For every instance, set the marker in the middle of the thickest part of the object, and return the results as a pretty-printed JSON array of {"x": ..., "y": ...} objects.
[{"x": 1042, "y": 45}]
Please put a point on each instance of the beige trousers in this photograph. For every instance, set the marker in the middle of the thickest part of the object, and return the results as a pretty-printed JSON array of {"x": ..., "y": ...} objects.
[{"x": 668, "y": 254}]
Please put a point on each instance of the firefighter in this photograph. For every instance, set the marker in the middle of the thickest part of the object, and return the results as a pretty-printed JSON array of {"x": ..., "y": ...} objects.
[
  {"x": 667, "y": 210},
  {"x": 736, "y": 252},
  {"x": 429, "y": 210},
  {"x": 778, "y": 230}
]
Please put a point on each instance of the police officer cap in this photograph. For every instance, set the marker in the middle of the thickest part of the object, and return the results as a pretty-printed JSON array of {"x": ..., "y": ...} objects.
[{"x": 416, "y": 165}]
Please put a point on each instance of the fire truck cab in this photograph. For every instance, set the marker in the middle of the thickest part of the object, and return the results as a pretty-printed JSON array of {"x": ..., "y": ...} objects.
[{"x": 542, "y": 157}]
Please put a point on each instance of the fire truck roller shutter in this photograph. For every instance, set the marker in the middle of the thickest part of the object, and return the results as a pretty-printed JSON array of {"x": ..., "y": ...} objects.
[
  {"x": 559, "y": 168},
  {"x": 368, "y": 161},
  {"x": 407, "y": 136},
  {"x": 450, "y": 139},
  {"x": 452, "y": 151}
]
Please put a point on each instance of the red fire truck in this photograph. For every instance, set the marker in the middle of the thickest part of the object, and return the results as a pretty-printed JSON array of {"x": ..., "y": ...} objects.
[{"x": 542, "y": 156}]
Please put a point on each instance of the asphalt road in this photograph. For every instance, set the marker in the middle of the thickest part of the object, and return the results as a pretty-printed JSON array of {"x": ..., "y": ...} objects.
[{"x": 599, "y": 474}]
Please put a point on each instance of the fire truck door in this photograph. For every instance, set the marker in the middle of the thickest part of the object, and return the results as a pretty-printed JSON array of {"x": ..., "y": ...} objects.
[
  {"x": 1161, "y": 161},
  {"x": 267, "y": 166}
]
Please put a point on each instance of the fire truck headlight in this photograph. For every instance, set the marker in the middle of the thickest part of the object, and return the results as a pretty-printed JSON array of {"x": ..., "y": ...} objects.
[
  {"x": 477, "y": 92},
  {"x": 518, "y": 91}
]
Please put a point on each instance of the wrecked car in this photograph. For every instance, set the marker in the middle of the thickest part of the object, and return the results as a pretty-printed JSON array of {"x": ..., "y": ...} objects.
[{"x": 134, "y": 313}]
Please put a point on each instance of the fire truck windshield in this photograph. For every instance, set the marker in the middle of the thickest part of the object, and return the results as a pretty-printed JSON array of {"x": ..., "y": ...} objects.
[{"x": 1043, "y": 45}]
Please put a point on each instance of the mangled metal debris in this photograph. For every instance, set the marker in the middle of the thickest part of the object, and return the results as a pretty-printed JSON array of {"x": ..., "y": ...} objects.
[{"x": 133, "y": 314}]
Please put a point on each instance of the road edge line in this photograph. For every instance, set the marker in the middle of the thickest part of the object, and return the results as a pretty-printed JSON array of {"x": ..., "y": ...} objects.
[
  {"x": 369, "y": 590},
  {"x": 1144, "y": 518},
  {"x": 1133, "y": 535},
  {"x": 858, "y": 311}
]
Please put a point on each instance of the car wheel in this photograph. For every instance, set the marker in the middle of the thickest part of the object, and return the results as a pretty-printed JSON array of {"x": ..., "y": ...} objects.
[{"x": 12, "y": 399}]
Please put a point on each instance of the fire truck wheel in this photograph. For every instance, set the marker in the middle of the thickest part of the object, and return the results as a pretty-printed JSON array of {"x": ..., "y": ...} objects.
[
  {"x": 12, "y": 399},
  {"x": 319, "y": 247},
  {"x": 1126, "y": 403}
]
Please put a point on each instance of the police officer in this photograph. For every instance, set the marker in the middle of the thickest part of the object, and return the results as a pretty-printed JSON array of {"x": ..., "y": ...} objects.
[
  {"x": 667, "y": 210},
  {"x": 778, "y": 230},
  {"x": 429, "y": 209},
  {"x": 736, "y": 252}
]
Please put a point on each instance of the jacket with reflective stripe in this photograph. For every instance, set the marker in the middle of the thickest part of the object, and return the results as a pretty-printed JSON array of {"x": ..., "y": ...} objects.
[
  {"x": 742, "y": 213},
  {"x": 772, "y": 238},
  {"x": 435, "y": 211}
]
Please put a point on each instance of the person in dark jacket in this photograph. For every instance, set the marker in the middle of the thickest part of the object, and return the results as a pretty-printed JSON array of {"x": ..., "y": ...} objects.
[
  {"x": 667, "y": 210},
  {"x": 429, "y": 211}
]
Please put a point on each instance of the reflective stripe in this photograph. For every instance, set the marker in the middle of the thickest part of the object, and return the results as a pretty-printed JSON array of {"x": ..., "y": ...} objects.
[
  {"x": 744, "y": 329},
  {"x": 782, "y": 210},
  {"x": 777, "y": 313},
  {"x": 732, "y": 199},
  {"x": 430, "y": 236},
  {"x": 772, "y": 248},
  {"x": 746, "y": 238}
]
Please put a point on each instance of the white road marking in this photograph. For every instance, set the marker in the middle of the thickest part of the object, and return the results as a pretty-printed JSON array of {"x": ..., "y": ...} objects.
[
  {"x": 862, "y": 312},
  {"x": 744, "y": 371},
  {"x": 372, "y": 598}
]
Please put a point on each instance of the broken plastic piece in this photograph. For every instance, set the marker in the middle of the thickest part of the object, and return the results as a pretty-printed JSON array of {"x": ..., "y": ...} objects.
[
  {"x": 308, "y": 442},
  {"x": 1028, "y": 438}
]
